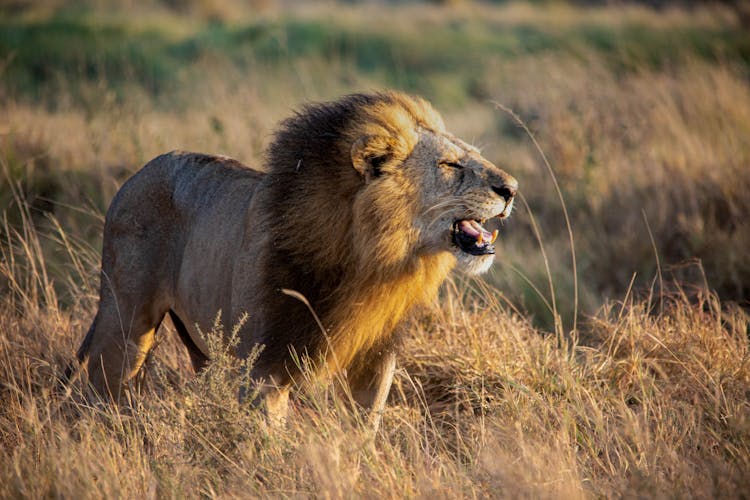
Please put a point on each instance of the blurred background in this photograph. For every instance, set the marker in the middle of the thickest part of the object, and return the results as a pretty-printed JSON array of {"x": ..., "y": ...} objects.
[{"x": 642, "y": 110}]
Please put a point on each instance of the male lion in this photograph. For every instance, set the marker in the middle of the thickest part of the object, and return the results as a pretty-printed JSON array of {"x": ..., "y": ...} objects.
[{"x": 366, "y": 206}]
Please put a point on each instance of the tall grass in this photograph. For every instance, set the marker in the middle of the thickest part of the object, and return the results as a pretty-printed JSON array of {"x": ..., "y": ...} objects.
[
  {"x": 667, "y": 145},
  {"x": 483, "y": 404}
]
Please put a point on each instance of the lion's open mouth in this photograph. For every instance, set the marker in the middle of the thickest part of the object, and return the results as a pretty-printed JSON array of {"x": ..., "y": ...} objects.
[{"x": 472, "y": 238}]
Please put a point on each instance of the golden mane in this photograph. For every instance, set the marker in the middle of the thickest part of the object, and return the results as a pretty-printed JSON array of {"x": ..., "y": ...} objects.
[
  {"x": 322, "y": 132},
  {"x": 361, "y": 293}
]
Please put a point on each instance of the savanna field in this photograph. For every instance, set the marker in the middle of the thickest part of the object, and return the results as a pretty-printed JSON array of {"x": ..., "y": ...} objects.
[{"x": 606, "y": 354}]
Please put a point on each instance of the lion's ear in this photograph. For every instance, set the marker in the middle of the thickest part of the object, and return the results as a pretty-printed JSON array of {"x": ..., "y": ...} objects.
[{"x": 368, "y": 155}]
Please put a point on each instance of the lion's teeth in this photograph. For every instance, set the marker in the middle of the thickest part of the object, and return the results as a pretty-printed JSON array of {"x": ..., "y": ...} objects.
[
  {"x": 480, "y": 239},
  {"x": 494, "y": 236}
]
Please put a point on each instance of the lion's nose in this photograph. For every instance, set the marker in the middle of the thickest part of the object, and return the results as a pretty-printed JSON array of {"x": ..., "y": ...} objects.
[{"x": 507, "y": 190}]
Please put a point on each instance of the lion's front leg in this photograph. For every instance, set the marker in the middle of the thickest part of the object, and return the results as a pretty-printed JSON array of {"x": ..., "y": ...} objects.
[
  {"x": 273, "y": 400},
  {"x": 371, "y": 383},
  {"x": 276, "y": 403}
]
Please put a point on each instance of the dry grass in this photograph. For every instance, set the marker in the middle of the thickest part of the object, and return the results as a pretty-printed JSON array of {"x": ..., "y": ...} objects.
[
  {"x": 649, "y": 398},
  {"x": 484, "y": 404},
  {"x": 663, "y": 151}
]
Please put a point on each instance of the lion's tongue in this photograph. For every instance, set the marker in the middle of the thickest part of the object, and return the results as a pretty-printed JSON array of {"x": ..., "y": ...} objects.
[{"x": 474, "y": 229}]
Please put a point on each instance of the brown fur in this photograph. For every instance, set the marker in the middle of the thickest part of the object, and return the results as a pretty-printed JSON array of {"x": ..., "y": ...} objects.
[{"x": 354, "y": 214}]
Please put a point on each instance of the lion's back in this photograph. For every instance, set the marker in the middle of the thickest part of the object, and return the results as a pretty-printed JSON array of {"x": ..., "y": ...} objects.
[
  {"x": 178, "y": 220},
  {"x": 182, "y": 183}
]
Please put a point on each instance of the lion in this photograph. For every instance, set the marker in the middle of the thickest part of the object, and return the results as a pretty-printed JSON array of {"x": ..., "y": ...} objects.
[{"x": 366, "y": 205}]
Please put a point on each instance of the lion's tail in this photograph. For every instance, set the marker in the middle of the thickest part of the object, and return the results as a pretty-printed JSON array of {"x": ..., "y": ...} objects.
[{"x": 74, "y": 366}]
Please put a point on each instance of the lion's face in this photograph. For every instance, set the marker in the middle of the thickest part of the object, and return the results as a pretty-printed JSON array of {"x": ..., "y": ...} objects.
[
  {"x": 460, "y": 192},
  {"x": 450, "y": 192}
]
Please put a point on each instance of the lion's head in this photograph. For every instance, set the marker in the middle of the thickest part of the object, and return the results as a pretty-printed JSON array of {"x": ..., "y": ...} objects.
[{"x": 382, "y": 170}]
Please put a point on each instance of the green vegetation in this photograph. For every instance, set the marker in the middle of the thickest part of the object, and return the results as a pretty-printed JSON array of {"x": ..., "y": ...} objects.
[{"x": 73, "y": 48}]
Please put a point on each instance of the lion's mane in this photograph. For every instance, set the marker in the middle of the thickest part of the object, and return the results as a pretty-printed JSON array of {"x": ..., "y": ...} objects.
[{"x": 354, "y": 261}]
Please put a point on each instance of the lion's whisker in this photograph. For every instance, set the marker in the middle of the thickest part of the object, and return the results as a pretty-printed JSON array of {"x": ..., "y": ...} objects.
[
  {"x": 451, "y": 202},
  {"x": 438, "y": 218}
]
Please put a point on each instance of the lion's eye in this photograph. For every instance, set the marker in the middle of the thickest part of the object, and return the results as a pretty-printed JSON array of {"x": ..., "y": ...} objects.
[{"x": 451, "y": 164}]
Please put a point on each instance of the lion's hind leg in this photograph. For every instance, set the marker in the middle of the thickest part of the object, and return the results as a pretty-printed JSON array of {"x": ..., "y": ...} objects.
[
  {"x": 132, "y": 304},
  {"x": 136, "y": 279},
  {"x": 116, "y": 346}
]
